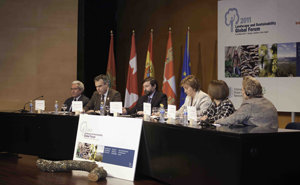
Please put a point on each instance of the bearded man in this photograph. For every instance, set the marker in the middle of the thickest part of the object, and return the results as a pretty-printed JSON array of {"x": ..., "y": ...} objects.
[{"x": 152, "y": 95}]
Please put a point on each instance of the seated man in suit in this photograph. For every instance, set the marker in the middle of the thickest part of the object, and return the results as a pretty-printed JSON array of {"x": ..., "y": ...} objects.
[
  {"x": 103, "y": 93},
  {"x": 152, "y": 95},
  {"x": 77, "y": 89}
]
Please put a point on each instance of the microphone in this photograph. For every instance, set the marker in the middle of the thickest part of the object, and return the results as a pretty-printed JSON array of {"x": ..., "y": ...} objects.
[{"x": 24, "y": 110}]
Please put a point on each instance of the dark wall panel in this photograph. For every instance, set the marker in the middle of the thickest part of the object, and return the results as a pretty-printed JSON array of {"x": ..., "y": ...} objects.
[
  {"x": 96, "y": 20},
  {"x": 100, "y": 17}
]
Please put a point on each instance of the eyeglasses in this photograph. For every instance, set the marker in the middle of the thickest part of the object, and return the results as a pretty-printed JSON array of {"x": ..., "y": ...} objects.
[{"x": 99, "y": 86}]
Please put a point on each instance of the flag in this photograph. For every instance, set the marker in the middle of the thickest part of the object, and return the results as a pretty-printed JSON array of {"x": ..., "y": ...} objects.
[
  {"x": 131, "y": 94},
  {"x": 186, "y": 66},
  {"x": 169, "y": 78},
  {"x": 111, "y": 70},
  {"x": 149, "y": 68}
]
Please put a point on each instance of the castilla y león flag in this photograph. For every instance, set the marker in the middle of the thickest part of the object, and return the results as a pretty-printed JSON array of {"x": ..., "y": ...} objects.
[
  {"x": 169, "y": 87},
  {"x": 131, "y": 94}
]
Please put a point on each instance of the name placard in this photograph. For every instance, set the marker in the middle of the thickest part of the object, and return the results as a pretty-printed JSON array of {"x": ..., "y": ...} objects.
[
  {"x": 112, "y": 142},
  {"x": 77, "y": 106},
  {"x": 172, "y": 111},
  {"x": 192, "y": 113},
  {"x": 147, "y": 109},
  {"x": 115, "y": 107},
  {"x": 39, "y": 105}
]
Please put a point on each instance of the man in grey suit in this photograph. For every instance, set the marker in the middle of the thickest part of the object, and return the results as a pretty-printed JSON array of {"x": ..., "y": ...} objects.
[
  {"x": 77, "y": 89},
  {"x": 102, "y": 94},
  {"x": 255, "y": 110}
]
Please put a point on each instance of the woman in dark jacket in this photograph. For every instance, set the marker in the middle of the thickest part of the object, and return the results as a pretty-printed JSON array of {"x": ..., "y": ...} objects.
[{"x": 221, "y": 106}]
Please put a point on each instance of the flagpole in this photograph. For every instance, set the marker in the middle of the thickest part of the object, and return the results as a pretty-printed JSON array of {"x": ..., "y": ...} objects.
[
  {"x": 151, "y": 54},
  {"x": 188, "y": 45},
  {"x": 151, "y": 38}
]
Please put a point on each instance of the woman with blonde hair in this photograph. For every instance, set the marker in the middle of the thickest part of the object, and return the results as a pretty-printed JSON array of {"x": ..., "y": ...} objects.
[
  {"x": 195, "y": 97},
  {"x": 221, "y": 106},
  {"x": 255, "y": 109}
]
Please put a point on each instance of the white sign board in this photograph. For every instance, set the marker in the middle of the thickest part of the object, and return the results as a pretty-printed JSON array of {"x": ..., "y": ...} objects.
[
  {"x": 172, "y": 111},
  {"x": 261, "y": 39},
  {"x": 192, "y": 113},
  {"x": 112, "y": 142},
  {"x": 39, "y": 104},
  {"x": 147, "y": 109},
  {"x": 116, "y": 107},
  {"x": 77, "y": 106}
]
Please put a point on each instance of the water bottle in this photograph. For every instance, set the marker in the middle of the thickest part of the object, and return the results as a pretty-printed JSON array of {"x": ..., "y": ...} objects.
[
  {"x": 102, "y": 108},
  {"x": 185, "y": 116},
  {"x": 162, "y": 114},
  {"x": 56, "y": 107},
  {"x": 30, "y": 107}
]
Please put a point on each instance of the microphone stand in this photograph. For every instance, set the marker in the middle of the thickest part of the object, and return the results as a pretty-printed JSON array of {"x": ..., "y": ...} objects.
[{"x": 24, "y": 110}]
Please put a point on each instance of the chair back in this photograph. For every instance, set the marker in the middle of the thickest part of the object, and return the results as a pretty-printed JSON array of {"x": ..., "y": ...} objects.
[{"x": 293, "y": 125}]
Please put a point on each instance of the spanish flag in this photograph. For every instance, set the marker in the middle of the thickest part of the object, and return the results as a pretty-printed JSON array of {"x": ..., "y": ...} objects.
[{"x": 149, "y": 68}]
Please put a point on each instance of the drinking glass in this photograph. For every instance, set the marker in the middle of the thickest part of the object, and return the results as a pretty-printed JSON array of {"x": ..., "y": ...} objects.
[
  {"x": 107, "y": 110},
  {"x": 155, "y": 111},
  {"x": 64, "y": 107}
]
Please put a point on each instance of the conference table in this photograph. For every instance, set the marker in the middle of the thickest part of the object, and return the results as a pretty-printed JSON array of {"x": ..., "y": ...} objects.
[{"x": 171, "y": 153}]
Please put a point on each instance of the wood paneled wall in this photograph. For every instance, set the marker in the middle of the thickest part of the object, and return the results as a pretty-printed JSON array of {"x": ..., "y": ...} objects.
[
  {"x": 142, "y": 16},
  {"x": 38, "y": 51}
]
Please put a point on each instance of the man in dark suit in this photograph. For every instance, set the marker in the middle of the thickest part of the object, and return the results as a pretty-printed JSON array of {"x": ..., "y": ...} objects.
[
  {"x": 77, "y": 89},
  {"x": 103, "y": 94},
  {"x": 152, "y": 95}
]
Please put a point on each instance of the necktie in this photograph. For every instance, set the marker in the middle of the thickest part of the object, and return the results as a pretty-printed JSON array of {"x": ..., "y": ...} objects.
[
  {"x": 102, "y": 99},
  {"x": 149, "y": 99},
  {"x": 70, "y": 110}
]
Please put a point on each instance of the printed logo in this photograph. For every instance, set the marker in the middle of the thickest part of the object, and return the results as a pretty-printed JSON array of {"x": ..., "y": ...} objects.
[
  {"x": 88, "y": 132},
  {"x": 241, "y": 25},
  {"x": 231, "y": 17},
  {"x": 83, "y": 128}
]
